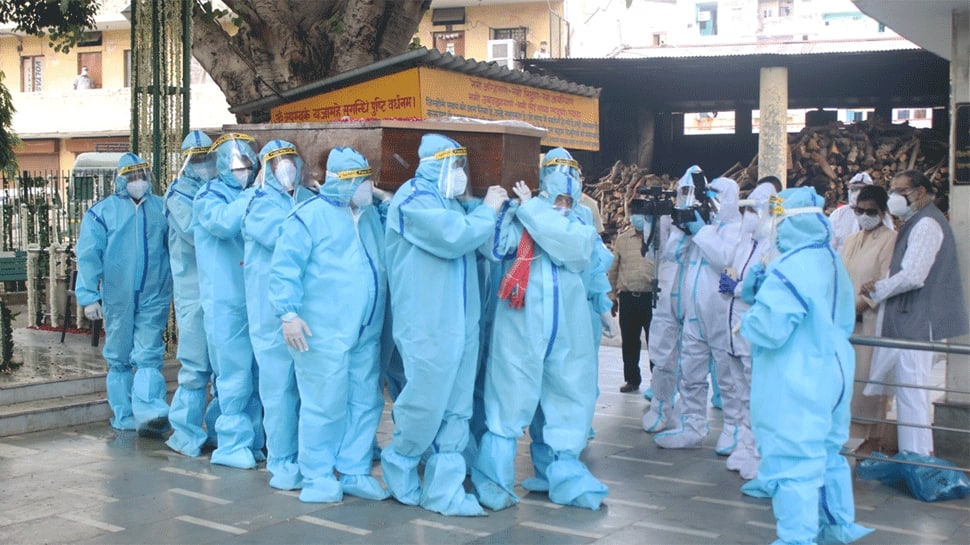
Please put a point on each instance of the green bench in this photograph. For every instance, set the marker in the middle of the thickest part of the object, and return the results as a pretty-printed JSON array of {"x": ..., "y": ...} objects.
[{"x": 13, "y": 266}]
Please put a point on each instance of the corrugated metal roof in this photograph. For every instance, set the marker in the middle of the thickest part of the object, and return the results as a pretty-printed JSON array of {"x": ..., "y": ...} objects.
[
  {"x": 411, "y": 59},
  {"x": 765, "y": 47}
]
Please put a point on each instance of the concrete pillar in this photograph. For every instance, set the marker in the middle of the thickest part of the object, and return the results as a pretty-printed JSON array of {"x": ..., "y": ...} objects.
[
  {"x": 773, "y": 133},
  {"x": 954, "y": 411}
]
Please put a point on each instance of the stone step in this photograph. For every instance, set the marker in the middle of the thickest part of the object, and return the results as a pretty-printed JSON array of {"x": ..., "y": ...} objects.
[{"x": 50, "y": 405}]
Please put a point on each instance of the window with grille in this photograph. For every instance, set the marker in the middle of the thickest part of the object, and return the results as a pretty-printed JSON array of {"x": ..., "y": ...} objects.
[{"x": 519, "y": 34}]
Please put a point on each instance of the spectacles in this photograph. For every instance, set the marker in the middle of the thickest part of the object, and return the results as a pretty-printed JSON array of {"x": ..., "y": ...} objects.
[{"x": 872, "y": 212}]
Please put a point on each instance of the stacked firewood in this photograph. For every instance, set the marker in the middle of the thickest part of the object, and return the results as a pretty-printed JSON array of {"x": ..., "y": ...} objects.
[{"x": 836, "y": 151}]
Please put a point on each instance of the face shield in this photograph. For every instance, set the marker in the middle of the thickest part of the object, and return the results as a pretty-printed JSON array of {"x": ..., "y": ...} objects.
[
  {"x": 354, "y": 186},
  {"x": 285, "y": 165},
  {"x": 453, "y": 177},
  {"x": 198, "y": 163},
  {"x": 776, "y": 214},
  {"x": 241, "y": 169},
  {"x": 138, "y": 179},
  {"x": 569, "y": 167}
]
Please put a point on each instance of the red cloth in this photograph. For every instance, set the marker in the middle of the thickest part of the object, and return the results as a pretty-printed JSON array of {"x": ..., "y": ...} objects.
[{"x": 517, "y": 278}]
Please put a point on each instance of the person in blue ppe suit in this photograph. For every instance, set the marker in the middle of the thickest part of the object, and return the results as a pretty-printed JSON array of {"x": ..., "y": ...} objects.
[
  {"x": 802, "y": 313},
  {"x": 124, "y": 277},
  {"x": 750, "y": 249},
  {"x": 218, "y": 209},
  {"x": 273, "y": 199},
  {"x": 188, "y": 410},
  {"x": 542, "y": 351},
  {"x": 705, "y": 335},
  {"x": 332, "y": 244},
  {"x": 597, "y": 285},
  {"x": 431, "y": 242}
]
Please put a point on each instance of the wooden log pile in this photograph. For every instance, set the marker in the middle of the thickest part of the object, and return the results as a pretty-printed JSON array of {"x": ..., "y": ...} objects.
[{"x": 836, "y": 152}]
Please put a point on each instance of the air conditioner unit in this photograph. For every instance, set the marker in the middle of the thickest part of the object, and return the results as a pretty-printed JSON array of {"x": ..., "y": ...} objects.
[{"x": 503, "y": 52}]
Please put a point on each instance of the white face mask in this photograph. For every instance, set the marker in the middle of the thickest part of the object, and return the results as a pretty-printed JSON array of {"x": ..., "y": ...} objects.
[
  {"x": 363, "y": 195},
  {"x": 137, "y": 189},
  {"x": 898, "y": 206},
  {"x": 455, "y": 183},
  {"x": 868, "y": 223},
  {"x": 750, "y": 222},
  {"x": 285, "y": 172}
]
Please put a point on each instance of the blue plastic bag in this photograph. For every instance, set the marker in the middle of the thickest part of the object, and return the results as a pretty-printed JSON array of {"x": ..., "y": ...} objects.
[{"x": 925, "y": 483}]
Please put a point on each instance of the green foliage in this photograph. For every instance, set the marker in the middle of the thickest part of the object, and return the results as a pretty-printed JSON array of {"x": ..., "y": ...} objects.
[
  {"x": 8, "y": 140},
  {"x": 64, "y": 21},
  {"x": 6, "y": 339}
]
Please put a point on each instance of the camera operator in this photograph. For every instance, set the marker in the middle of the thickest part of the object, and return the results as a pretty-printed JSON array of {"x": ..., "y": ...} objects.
[{"x": 710, "y": 238}]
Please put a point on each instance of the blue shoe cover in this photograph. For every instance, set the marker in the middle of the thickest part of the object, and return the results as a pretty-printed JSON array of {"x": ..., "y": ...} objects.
[
  {"x": 401, "y": 475},
  {"x": 285, "y": 473},
  {"x": 755, "y": 488},
  {"x": 327, "y": 490},
  {"x": 830, "y": 534},
  {"x": 536, "y": 484},
  {"x": 240, "y": 458},
  {"x": 126, "y": 423},
  {"x": 183, "y": 445},
  {"x": 494, "y": 472},
  {"x": 444, "y": 489},
  {"x": 364, "y": 486},
  {"x": 571, "y": 483},
  {"x": 258, "y": 455},
  {"x": 648, "y": 394}
]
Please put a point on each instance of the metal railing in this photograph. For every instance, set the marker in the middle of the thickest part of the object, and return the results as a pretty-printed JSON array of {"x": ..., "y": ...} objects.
[{"x": 932, "y": 346}]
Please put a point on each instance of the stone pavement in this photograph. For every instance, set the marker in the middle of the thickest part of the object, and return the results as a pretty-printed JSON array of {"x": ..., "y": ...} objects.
[{"x": 90, "y": 484}]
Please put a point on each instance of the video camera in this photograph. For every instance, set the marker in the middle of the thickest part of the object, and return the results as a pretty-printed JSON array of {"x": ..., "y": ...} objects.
[{"x": 656, "y": 201}]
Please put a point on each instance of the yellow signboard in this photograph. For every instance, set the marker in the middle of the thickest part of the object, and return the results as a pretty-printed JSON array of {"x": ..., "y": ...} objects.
[
  {"x": 572, "y": 121},
  {"x": 391, "y": 97}
]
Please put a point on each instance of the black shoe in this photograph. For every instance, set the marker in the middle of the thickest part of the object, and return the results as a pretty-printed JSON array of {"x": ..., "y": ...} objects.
[{"x": 627, "y": 388}]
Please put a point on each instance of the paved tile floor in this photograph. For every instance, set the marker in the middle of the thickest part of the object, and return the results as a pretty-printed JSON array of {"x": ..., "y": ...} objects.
[{"x": 90, "y": 484}]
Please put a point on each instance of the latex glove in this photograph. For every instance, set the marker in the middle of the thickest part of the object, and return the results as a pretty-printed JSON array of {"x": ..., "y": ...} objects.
[
  {"x": 610, "y": 329},
  {"x": 522, "y": 191},
  {"x": 93, "y": 312},
  {"x": 495, "y": 197},
  {"x": 293, "y": 331},
  {"x": 383, "y": 195},
  {"x": 726, "y": 284},
  {"x": 696, "y": 225},
  {"x": 752, "y": 282}
]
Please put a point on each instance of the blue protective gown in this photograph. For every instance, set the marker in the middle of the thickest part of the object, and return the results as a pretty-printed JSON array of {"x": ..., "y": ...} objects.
[
  {"x": 328, "y": 268},
  {"x": 122, "y": 255},
  {"x": 430, "y": 245},
  {"x": 261, "y": 224},
  {"x": 187, "y": 413},
  {"x": 802, "y": 373},
  {"x": 542, "y": 357},
  {"x": 218, "y": 209}
]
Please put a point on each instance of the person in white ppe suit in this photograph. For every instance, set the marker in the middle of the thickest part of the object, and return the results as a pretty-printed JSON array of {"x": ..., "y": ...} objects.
[
  {"x": 749, "y": 251},
  {"x": 705, "y": 333}
]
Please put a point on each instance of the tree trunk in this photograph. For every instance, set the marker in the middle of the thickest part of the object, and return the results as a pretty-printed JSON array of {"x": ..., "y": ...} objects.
[{"x": 271, "y": 46}]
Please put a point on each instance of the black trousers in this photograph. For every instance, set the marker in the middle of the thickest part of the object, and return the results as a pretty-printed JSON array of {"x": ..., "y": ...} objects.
[{"x": 636, "y": 311}]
